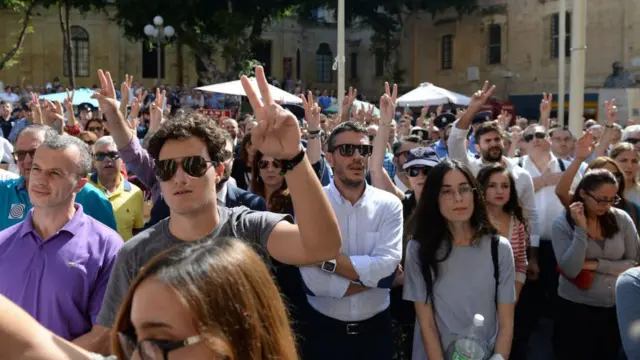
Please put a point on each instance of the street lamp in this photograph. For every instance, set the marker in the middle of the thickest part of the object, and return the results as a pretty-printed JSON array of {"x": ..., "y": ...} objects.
[{"x": 160, "y": 35}]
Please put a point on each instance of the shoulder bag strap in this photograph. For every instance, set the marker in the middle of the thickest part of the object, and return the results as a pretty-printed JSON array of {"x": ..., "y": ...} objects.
[{"x": 496, "y": 268}]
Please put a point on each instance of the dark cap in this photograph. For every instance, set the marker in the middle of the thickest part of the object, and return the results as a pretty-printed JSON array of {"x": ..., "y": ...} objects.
[
  {"x": 86, "y": 106},
  {"x": 423, "y": 156},
  {"x": 444, "y": 119},
  {"x": 482, "y": 116},
  {"x": 423, "y": 133}
]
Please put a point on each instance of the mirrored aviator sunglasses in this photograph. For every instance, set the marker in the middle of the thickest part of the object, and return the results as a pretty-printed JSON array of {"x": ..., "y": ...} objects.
[
  {"x": 194, "y": 166},
  {"x": 349, "y": 149}
]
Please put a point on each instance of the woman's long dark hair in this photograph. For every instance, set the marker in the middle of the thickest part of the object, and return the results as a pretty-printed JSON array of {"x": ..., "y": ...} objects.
[
  {"x": 430, "y": 229},
  {"x": 280, "y": 201},
  {"x": 244, "y": 153},
  {"x": 591, "y": 181},
  {"x": 513, "y": 206}
]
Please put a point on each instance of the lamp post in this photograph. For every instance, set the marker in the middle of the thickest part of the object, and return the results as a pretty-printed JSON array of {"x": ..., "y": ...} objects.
[{"x": 160, "y": 35}]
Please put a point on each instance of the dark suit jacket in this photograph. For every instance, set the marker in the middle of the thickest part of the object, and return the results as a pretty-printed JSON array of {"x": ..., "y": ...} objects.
[{"x": 235, "y": 197}]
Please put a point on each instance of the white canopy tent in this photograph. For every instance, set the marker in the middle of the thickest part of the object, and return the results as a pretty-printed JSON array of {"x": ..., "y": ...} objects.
[
  {"x": 429, "y": 94},
  {"x": 235, "y": 88}
]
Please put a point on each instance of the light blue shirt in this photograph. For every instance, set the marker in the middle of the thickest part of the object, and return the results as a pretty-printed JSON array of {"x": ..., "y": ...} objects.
[
  {"x": 15, "y": 198},
  {"x": 372, "y": 238}
]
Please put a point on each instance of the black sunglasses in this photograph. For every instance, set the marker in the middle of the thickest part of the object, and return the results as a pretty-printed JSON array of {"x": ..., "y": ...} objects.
[
  {"x": 633, "y": 141},
  {"x": 349, "y": 149},
  {"x": 416, "y": 170},
  {"x": 112, "y": 155},
  {"x": 538, "y": 135},
  {"x": 263, "y": 164},
  {"x": 152, "y": 349},
  {"x": 194, "y": 166},
  {"x": 400, "y": 153},
  {"x": 21, "y": 154}
]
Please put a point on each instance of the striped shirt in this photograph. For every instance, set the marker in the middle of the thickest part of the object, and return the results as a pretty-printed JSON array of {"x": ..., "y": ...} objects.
[{"x": 519, "y": 240}]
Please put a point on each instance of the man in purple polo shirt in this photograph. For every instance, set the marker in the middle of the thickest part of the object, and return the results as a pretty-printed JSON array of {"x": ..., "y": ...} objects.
[{"x": 56, "y": 263}]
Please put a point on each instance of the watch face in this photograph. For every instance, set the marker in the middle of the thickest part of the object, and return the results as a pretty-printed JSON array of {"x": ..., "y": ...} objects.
[{"x": 328, "y": 266}]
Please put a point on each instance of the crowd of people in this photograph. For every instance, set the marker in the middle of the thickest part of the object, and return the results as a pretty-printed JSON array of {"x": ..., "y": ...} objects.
[{"x": 350, "y": 236}]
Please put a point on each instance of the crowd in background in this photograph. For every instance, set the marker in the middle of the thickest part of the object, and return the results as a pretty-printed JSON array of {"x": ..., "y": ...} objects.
[{"x": 350, "y": 236}]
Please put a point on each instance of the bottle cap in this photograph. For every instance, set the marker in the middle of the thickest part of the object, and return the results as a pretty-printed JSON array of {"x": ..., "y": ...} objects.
[{"x": 478, "y": 320}]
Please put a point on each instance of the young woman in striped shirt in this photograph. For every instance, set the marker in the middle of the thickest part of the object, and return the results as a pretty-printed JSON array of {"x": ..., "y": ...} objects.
[{"x": 506, "y": 214}]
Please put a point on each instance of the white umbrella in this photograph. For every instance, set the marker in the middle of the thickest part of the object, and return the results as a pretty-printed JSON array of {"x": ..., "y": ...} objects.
[
  {"x": 235, "y": 88},
  {"x": 429, "y": 94}
]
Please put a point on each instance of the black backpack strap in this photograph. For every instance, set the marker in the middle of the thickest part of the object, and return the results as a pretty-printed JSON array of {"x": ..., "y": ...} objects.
[
  {"x": 496, "y": 268},
  {"x": 561, "y": 165},
  {"x": 520, "y": 161}
]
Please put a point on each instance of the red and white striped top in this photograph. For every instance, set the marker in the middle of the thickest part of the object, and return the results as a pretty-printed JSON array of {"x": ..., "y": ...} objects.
[{"x": 519, "y": 242}]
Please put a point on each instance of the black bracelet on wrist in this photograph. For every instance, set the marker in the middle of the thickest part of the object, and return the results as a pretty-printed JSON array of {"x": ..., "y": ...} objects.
[
  {"x": 314, "y": 132},
  {"x": 610, "y": 126},
  {"x": 288, "y": 165}
]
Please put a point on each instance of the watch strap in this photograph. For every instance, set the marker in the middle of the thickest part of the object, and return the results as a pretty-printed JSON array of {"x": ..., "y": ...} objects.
[{"x": 288, "y": 165}]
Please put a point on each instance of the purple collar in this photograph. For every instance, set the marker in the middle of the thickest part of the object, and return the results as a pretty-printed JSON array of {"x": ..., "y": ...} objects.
[{"x": 76, "y": 223}]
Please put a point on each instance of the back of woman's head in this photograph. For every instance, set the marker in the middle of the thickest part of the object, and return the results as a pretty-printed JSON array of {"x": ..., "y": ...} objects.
[
  {"x": 230, "y": 294},
  {"x": 244, "y": 149},
  {"x": 430, "y": 228}
]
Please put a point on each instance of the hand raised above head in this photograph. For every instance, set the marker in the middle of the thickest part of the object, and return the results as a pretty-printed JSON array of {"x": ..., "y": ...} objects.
[{"x": 278, "y": 132}]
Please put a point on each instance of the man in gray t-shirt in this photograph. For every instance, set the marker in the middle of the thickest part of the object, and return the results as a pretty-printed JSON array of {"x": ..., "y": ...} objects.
[
  {"x": 252, "y": 226},
  {"x": 186, "y": 155}
]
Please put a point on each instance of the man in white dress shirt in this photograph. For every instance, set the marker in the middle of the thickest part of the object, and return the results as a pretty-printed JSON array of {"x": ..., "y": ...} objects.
[{"x": 350, "y": 295}]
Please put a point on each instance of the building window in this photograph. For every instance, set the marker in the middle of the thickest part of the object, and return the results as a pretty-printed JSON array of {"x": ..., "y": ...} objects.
[
  {"x": 555, "y": 33},
  {"x": 446, "y": 55},
  {"x": 379, "y": 62},
  {"x": 324, "y": 61},
  {"x": 80, "y": 52},
  {"x": 495, "y": 42},
  {"x": 150, "y": 61},
  {"x": 354, "y": 65}
]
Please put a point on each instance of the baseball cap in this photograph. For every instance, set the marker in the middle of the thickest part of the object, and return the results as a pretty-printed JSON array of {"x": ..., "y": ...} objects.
[
  {"x": 444, "y": 119},
  {"x": 482, "y": 116},
  {"x": 423, "y": 156}
]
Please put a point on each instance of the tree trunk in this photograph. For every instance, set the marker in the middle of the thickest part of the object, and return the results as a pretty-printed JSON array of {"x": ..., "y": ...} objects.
[
  {"x": 66, "y": 35},
  {"x": 26, "y": 21},
  {"x": 179, "y": 49}
]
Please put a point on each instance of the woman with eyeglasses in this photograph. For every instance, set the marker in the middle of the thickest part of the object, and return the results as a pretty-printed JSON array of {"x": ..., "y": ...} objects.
[
  {"x": 95, "y": 126},
  {"x": 506, "y": 214},
  {"x": 457, "y": 267},
  {"x": 627, "y": 158},
  {"x": 584, "y": 149},
  {"x": 594, "y": 242},
  {"x": 203, "y": 300}
]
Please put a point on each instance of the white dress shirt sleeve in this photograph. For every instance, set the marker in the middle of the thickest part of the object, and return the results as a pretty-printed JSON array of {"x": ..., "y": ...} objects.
[
  {"x": 381, "y": 264},
  {"x": 457, "y": 144},
  {"x": 322, "y": 283},
  {"x": 527, "y": 198}
]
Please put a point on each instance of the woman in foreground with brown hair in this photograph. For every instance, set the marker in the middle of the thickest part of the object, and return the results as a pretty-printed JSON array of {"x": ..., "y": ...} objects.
[{"x": 204, "y": 300}]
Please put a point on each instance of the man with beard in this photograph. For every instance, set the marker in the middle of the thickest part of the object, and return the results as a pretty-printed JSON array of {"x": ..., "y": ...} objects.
[
  {"x": 491, "y": 148},
  {"x": 349, "y": 296}
]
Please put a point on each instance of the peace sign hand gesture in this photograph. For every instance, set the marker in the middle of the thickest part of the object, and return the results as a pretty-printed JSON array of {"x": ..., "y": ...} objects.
[
  {"x": 388, "y": 104},
  {"x": 480, "y": 97},
  {"x": 612, "y": 111},
  {"x": 278, "y": 133},
  {"x": 155, "y": 112},
  {"x": 106, "y": 96},
  {"x": 545, "y": 105},
  {"x": 53, "y": 113},
  {"x": 68, "y": 104},
  {"x": 584, "y": 147},
  {"x": 36, "y": 111},
  {"x": 125, "y": 89},
  {"x": 311, "y": 111}
]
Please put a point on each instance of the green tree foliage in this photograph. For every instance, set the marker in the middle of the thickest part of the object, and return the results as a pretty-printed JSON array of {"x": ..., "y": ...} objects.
[
  {"x": 25, "y": 9},
  {"x": 210, "y": 29}
]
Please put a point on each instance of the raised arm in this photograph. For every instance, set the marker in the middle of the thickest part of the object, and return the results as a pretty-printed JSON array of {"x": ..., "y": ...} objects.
[
  {"x": 379, "y": 177},
  {"x": 609, "y": 128},
  {"x": 317, "y": 237},
  {"x": 584, "y": 149},
  {"x": 312, "y": 115},
  {"x": 545, "y": 109},
  {"x": 570, "y": 245}
]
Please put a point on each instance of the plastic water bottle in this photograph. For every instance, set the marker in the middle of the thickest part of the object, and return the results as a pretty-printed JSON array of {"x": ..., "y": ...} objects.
[{"x": 470, "y": 346}]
